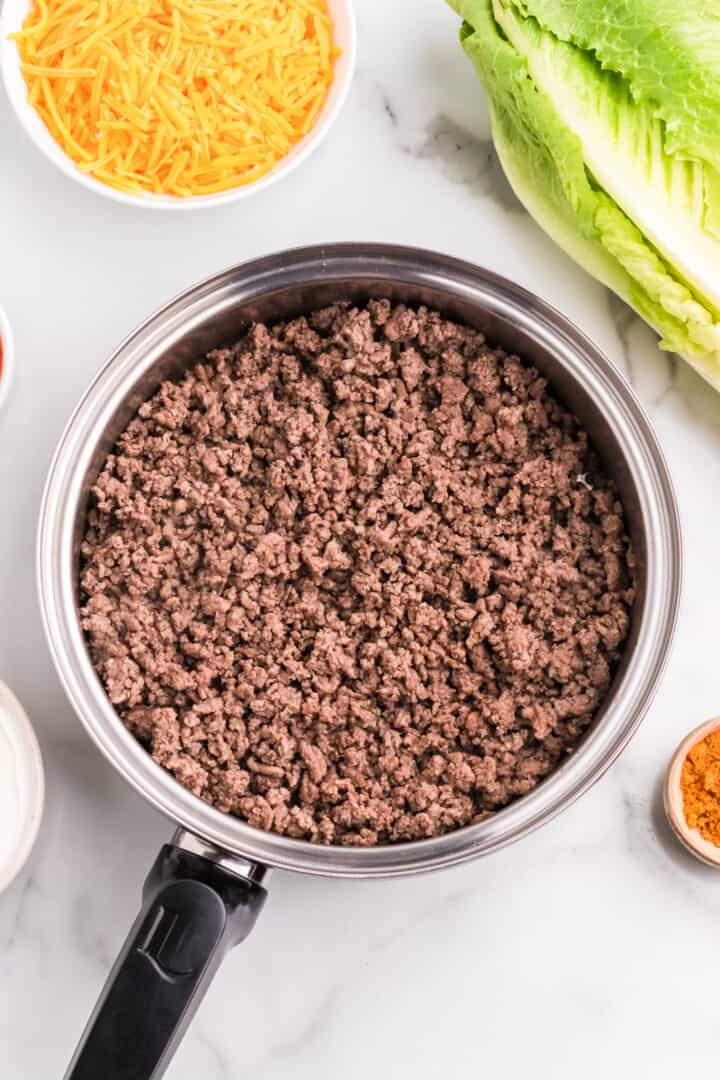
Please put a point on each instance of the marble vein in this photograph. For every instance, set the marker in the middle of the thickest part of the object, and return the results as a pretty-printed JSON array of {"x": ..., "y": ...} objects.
[
  {"x": 466, "y": 160},
  {"x": 219, "y": 1063},
  {"x": 17, "y": 924},
  {"x": 342, "y": 985},
  {"x": 90, "y": 940}
]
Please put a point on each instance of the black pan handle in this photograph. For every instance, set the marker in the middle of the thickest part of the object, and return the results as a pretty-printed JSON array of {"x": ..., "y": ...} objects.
[{"x": 194, "y": 910}]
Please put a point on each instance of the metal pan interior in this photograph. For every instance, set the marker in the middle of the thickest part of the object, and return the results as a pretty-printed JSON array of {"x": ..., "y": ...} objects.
[{"x": 214, "y": 313}]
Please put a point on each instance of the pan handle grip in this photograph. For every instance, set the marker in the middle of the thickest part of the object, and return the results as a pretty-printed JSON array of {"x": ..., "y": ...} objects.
[{"x": 194, "y": 910}]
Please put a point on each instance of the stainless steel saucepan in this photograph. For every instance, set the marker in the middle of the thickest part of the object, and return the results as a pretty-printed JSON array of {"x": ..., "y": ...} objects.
[{"x": 208, "y": 884}]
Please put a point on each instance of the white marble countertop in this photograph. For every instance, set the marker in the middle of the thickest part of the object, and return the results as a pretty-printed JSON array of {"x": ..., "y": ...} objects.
[{"x": 587, "y": 949}]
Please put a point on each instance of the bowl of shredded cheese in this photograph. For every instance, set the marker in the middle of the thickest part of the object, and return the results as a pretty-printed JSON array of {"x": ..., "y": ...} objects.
[{"x": 177, "y": 104}]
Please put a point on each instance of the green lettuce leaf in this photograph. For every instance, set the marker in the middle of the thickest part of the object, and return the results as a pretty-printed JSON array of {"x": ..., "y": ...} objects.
[
  {"x": 592, "y": 165},
  {"x": 668, "y": 51},
  {"x": 623, "y": 147}
]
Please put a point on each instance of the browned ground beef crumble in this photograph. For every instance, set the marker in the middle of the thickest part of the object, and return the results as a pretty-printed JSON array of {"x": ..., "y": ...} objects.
[{"x": 357, "y": 579}]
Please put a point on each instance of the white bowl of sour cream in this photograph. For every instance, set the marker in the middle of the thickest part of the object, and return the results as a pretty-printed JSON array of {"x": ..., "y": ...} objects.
[{"x": 22, "y": 786}]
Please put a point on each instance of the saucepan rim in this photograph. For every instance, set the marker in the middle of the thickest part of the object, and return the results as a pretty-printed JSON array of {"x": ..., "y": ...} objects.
[{"x": 582, "y": 361}]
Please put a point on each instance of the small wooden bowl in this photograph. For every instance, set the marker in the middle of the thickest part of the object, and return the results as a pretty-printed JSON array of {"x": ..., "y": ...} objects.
[{"x": 690, "y": 838}]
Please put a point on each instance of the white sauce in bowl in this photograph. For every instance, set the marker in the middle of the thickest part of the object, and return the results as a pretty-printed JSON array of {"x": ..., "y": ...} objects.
[
  {"x": 21, "y": 786},
  {"x": 10, "y": 801}
]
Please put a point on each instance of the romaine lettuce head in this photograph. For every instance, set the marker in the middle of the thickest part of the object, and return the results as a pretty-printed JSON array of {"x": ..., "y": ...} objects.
[{"x": 606, "y": 117}]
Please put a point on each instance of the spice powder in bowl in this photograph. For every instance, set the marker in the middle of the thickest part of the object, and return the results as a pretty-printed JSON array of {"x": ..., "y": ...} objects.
[
  {"x": 357, "y": 579},
  {"x": 700, "y": 786},
  {"x": 692, "y": 792},
  {"x": 167, "y": 98}
]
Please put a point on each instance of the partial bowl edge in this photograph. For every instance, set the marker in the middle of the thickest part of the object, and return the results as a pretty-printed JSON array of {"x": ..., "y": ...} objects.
[
  {"x": 27, "y": 746},
  {"x": 7, "y": 374}
]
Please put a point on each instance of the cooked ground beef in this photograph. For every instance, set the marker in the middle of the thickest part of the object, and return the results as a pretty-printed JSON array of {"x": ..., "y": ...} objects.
[{"x": 357, "y": 579}]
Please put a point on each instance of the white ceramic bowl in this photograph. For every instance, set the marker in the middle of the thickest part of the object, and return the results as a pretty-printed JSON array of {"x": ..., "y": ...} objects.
[
  {"x": 22, "y": 791},
  {"x": 8, "y": 357},
  {"x": 11, "y": 19}
]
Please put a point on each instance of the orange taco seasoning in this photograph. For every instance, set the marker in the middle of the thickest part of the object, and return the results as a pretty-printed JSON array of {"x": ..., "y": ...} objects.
[{"x": 700, "y": 787}]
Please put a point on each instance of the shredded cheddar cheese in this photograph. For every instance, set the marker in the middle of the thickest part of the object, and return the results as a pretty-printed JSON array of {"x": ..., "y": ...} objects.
[{"x": 179, "y": 97}]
